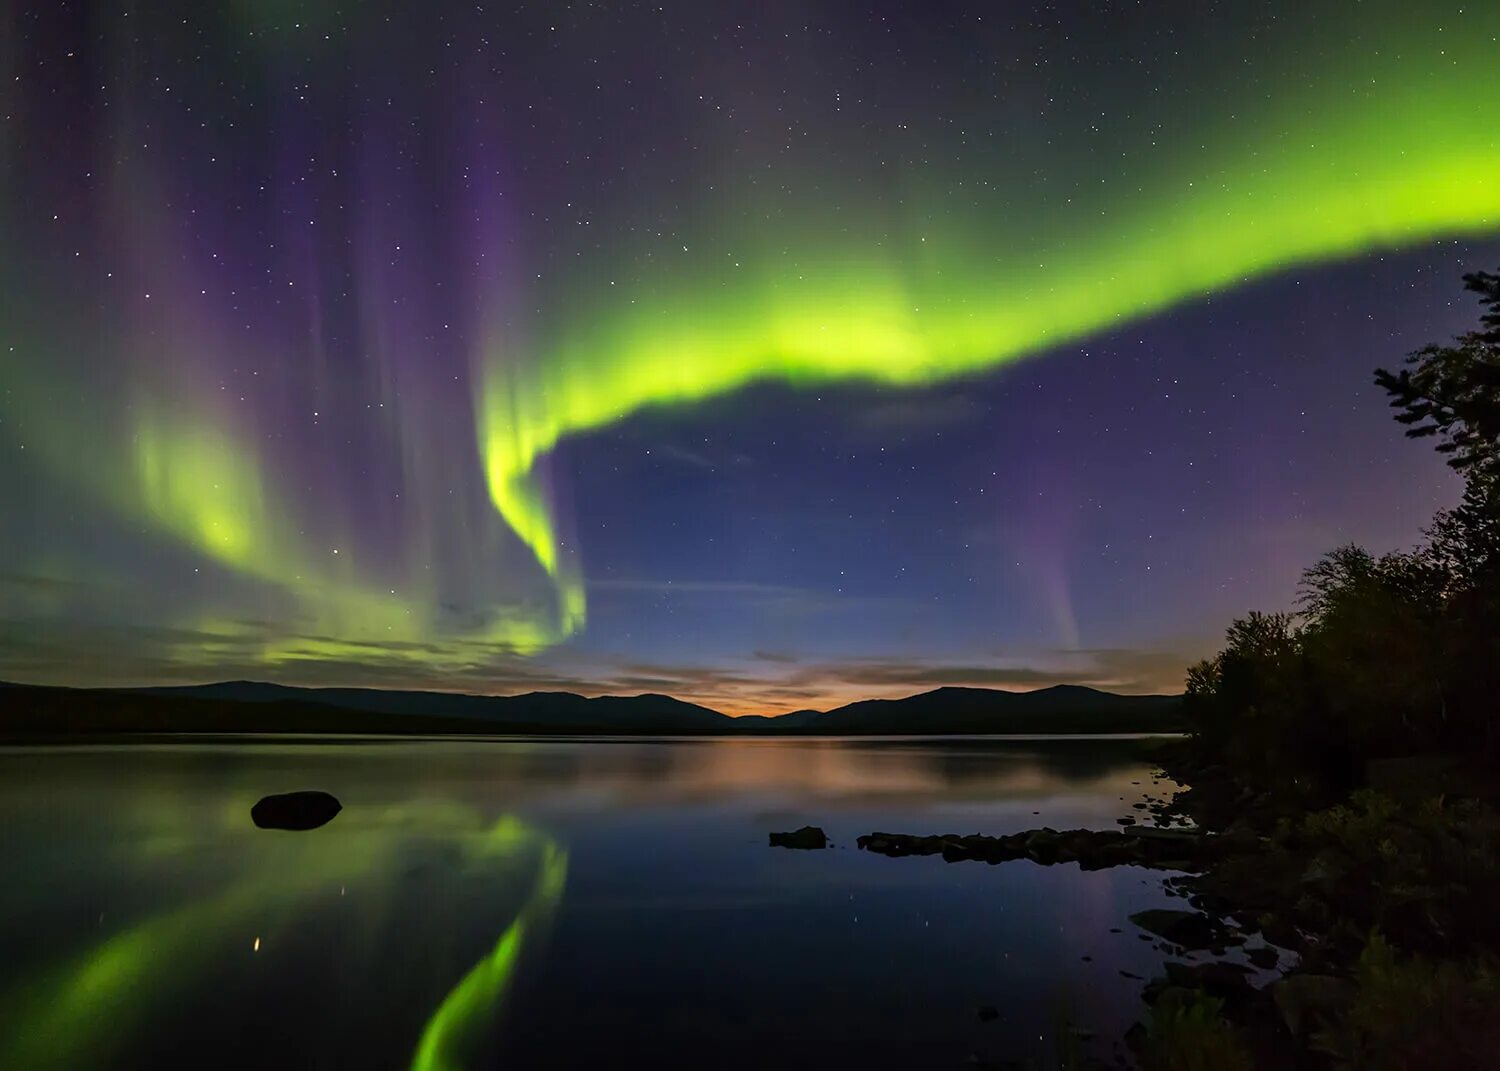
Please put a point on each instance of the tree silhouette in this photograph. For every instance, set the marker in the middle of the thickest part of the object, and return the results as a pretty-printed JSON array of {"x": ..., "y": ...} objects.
[
  {"x": 1392, "y": 655},
  {"x": 1453, "y": 392}
]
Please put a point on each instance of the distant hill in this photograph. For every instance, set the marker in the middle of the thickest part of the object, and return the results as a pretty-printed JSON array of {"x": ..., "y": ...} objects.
[
  {"x": 26, "y": 710},
  {"x": 251, "y": 706},
  {"x": 777, "y": 723},
  {"x": 554, "y": 711},
  {"x": 1065, "y": 708}
]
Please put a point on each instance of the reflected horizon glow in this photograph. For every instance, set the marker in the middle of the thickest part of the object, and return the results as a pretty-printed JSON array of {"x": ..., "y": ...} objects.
[{"x": 427, "y": 926}]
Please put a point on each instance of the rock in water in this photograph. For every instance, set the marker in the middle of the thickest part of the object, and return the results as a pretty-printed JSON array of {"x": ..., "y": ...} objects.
[
  {"x": 806, "y": 837},
  {"x": 1265, "y": 957},
  {"x": 296, "y": 810},
  {"x": 1188, "y": 929}
]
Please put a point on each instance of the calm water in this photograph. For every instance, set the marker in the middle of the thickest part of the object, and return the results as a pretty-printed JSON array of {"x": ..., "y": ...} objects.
[{"x": 579, "y": 904}]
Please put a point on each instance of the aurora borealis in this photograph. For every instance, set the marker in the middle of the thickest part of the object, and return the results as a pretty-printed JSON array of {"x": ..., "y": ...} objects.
[{"x": 680, "y": 347}]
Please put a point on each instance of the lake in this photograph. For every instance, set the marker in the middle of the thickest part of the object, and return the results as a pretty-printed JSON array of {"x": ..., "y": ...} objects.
[{"x": 532, "y": 903}]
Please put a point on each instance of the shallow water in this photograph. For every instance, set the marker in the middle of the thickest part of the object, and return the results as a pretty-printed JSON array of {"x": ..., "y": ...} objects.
[{"x": 557, "y": 903}]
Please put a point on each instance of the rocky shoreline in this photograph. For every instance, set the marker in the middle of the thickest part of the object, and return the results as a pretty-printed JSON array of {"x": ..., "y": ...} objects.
[
  {"x": 1254, "y": 891},
  {"x": 1315, "y": 934},
  {"x": 1152, "y": 847}
]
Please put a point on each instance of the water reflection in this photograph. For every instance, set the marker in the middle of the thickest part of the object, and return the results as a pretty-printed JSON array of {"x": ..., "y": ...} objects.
[
  {"x": 385, "y": 892},
  {"x": 469, "y": 1010},
  {"x": 836, "y": 769},
  {"x": 539, "y": 902}
]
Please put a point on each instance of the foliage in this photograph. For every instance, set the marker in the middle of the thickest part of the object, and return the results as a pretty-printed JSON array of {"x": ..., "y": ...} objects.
[
  {"x": 1188, "y": 1032},
  {"x": 1391, "y": 655},
  {"x": 1449, "y": 392},
  {"x": 1424, "y": 873},
  {"x": 1414, "y": 1012},
  {"x": 1385, "y": 675},
  {"x": 1239, "y": 701}
]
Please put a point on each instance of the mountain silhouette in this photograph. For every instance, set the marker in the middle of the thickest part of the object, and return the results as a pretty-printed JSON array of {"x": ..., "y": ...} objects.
[{"x": 256, "y": 706}]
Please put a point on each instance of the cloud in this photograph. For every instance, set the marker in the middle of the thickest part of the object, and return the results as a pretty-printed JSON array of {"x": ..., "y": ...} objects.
[
  {"x": 1128, "y": 664},
  {"x": 917, "y": 674},
  {"x": 27, "y": 582},
  {"x": 1127, "y": 671},
  {"x": 74, "y": 653},
  {"x": 769, "y": 599},
  {"x": 693, "y": 587}
]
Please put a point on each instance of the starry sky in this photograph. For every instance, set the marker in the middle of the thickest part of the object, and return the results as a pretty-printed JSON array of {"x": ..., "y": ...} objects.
[{"x": 768, "y": 354}]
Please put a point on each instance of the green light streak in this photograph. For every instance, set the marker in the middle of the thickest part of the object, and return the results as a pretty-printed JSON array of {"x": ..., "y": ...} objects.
[
  {"x": 197, "y": 484},
  {"x": 75, "y": 1014},
  {"x": 201, "y": 485},
  {"x": 864, "y": 259},
  {"x": 70, "y": 1017},
  {"x": 1398, "y": 147},
  {"x": 473, "y": 1003}
]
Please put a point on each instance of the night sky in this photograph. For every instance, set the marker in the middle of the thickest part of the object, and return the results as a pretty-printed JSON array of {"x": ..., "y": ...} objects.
[{"x": 768, "y": 354}]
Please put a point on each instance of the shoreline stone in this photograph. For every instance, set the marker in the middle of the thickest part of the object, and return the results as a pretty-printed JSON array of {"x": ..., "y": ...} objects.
[
  {"x": 1157, "y": 849},
  {"x": 808, "y": 838},
  {"x": 298, "y": 811}
]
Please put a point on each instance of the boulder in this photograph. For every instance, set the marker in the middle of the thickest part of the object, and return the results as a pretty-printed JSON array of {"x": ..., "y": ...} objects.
[
  {"x": 1264, "y": 957},
  {"x": 807, "y": 837},
  {"x": 1186, "y": 929},
  {"x": 1279, "y": 931},
  {"x": 1044, "y": 845},
  {"x": 295, "y": 810},
  {"x": 1191, "y": 837},
  {"x": 1090, "y": 849}
]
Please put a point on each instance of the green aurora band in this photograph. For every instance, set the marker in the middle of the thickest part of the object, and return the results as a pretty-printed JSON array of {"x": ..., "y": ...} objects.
[
  {"x": 1401, "y": 150},
  {"x": 1357, "y": 142}
]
